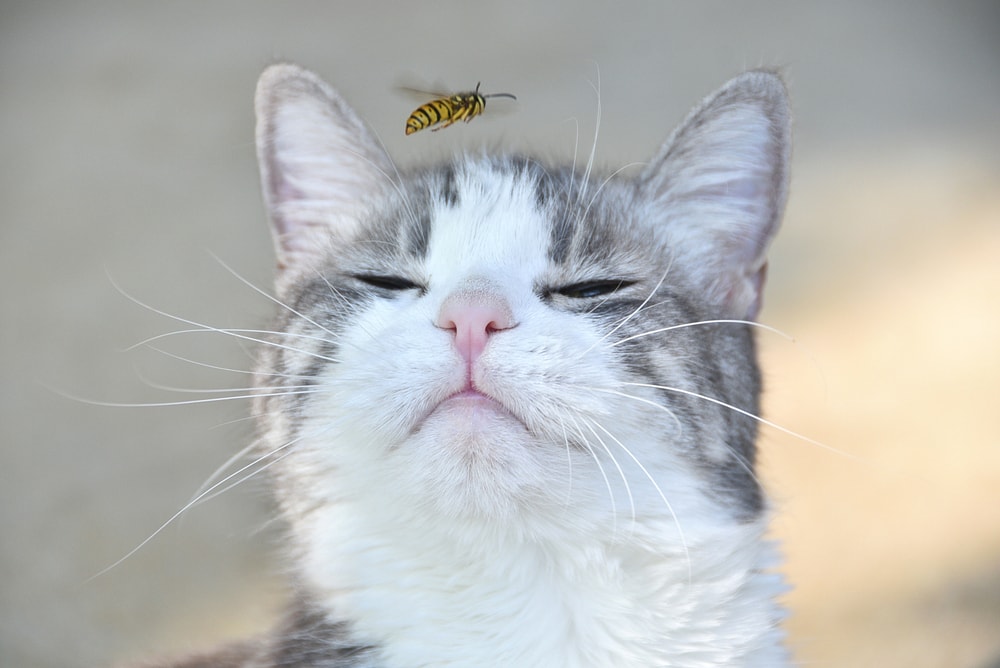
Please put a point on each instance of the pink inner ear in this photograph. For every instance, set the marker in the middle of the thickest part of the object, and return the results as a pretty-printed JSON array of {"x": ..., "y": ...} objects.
[
  {"x": 319, "y": 162},
  {"x": 283, "y": 191}
]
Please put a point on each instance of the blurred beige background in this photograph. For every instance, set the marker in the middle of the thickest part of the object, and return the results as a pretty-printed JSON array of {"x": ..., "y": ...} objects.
[{"x": 127, "y": 159}]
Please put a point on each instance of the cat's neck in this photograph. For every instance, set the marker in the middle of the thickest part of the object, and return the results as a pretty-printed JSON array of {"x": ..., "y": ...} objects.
[{"x": 430, "y": 597}]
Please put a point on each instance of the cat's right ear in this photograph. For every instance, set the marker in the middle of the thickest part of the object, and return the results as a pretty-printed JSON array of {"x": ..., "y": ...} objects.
[
  {"x": 719, "y": 186},
  {"x": 320, "y": 167}
]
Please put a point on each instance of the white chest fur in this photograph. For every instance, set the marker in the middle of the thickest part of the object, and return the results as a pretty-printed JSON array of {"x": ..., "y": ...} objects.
[{"x": 470, "y": 597}]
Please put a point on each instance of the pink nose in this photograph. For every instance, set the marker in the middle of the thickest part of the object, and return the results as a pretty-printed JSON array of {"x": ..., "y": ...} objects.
[{"x": 473, "y": 315}]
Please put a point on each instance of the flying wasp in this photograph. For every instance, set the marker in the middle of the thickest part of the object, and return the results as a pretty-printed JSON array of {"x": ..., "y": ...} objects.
[{"x": 449, "y": 109}]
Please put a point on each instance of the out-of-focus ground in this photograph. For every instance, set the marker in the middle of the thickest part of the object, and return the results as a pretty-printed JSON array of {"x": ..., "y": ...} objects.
[{"x": 126, "y": 144}]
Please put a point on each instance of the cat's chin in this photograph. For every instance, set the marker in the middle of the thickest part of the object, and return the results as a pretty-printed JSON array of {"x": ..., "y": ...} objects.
[{"x": 472, "y": 457}]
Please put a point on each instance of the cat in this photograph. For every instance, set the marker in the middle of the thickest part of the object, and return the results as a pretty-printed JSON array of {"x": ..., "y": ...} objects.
[{"x": 509, "y": 408}]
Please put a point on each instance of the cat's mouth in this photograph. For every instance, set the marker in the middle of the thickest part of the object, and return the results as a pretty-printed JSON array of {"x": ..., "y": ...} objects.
[
  {"x": 473, "y": 398},
  {"x": 471, "y": 409}
]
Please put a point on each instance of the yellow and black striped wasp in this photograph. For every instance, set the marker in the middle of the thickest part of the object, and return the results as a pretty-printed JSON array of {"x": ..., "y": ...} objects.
[{"x": 448, "y": 109}]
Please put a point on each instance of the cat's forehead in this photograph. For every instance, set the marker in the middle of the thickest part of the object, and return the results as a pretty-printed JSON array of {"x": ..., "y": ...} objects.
[
  {"x": 513, "y": 216},
  {"x": 486, "y": 220}
]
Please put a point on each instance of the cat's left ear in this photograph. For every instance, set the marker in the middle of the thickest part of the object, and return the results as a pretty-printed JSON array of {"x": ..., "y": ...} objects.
[
  {"x": 718, "y": 188},
  {"x": 321, "y": 169}
]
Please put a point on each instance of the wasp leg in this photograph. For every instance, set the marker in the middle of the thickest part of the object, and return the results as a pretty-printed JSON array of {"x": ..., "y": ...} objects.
[{"x": 443, "y": 125}]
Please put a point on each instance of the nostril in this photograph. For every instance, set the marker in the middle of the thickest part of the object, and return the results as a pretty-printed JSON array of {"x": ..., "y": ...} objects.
[{"x": 473, "y": 317}]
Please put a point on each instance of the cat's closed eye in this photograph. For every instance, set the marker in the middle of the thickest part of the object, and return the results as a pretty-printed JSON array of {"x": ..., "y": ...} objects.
[
  {"x": 590, "y": 289},
  {"x": 388, "y": 282}
]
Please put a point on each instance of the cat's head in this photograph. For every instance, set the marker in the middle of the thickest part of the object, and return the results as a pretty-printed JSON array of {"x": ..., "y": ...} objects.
[{"x": 495, "y": 339}]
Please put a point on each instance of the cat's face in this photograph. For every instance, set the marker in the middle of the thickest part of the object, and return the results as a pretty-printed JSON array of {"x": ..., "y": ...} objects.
[{"x": 491, "y": 340}]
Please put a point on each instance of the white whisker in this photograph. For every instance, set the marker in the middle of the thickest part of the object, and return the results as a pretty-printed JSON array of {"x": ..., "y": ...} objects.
[
  {"x": 219, "y": 492},
  {"x": 216, "y": 390},
  {"x": 631, "y": 315},
  {"x": 271, "y": 297},
  {"x": 209, "y": 481},
  {"x": 604, "y": 183},
  {"x": 186, "y": 402},
  {"x": 659, "y": 491},
  {"x": 593, "y": 149},
  {"x": 744, "y": 464},
  {"x": 677, "y": 421},
  {"x": 569, "y": 460},
  {"x": 271, "y": 374},
  {"x": 395, "y": 183},
  {"x": 191, "y": 504},
  {"x": 237, "y": 332},
  {"x": 721, "y": 321},
  {"x": 614, "y": 460},
  {"x": 600, "y": 468},
  {"x": 765, "y": 421},
  {"x": 569, "y": 184},
  {"x": 209, "y": 328}
]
